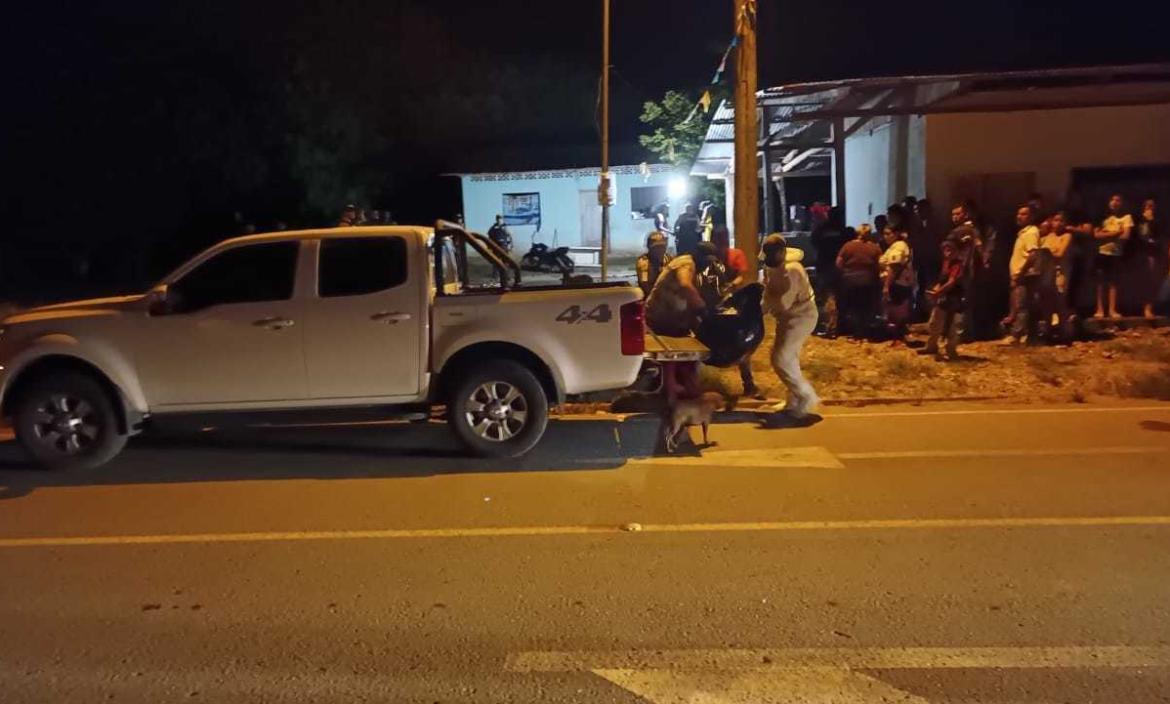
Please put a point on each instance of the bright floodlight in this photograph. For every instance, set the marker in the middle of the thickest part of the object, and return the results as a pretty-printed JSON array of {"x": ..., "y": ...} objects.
[{"x": 677, "y": 188}]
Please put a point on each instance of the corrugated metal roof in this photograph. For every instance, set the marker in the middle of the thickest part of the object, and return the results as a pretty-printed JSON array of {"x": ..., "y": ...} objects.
[{"x": 801, "y": 114}]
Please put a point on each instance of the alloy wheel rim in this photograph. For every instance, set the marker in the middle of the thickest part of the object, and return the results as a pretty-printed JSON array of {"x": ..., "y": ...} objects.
[
  {"x": 497, "y": 411},
  {"x": 66, "y": 424}
]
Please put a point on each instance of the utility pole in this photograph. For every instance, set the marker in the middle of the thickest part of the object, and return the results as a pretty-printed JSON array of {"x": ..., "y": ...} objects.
[
  {"x": 747, "y": 197},
  {"x": 603, "y": 186}
]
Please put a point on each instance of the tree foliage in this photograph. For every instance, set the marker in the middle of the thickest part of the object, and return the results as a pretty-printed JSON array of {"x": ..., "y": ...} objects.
[{"x": 672, "y": 137}]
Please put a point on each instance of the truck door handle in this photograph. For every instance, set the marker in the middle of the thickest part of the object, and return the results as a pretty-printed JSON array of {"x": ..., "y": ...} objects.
[
  {"x": 274, "y": 323},
  {"x": 389, "y": 317}
]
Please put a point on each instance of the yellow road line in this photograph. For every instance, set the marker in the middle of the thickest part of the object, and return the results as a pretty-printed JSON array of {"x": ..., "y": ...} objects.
[{"x": 533, "y": 531}]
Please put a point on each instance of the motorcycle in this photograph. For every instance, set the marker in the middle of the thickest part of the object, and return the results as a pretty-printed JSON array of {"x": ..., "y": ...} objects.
[{"x": 547, "y": 261}]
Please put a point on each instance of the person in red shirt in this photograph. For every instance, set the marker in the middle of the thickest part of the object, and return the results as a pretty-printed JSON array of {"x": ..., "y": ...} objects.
[
  {"x": 949, "y": 294},
  {"x": 740, "y": 275}
]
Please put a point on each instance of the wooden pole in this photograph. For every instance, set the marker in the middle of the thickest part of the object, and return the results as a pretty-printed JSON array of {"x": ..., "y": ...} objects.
[
  {"x": 603, "y": 186},
  {"x": 747, "y": 198},
  {"x": 839, "y": 163},
  {"x": 766, "y": 164}
]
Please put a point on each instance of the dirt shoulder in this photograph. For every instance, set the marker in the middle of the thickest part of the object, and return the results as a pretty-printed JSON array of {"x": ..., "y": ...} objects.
[{"x": 1129, "y": 364}]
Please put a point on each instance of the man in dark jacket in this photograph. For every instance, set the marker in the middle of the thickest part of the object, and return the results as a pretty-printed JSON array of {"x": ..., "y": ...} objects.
[{"x": 688, "y": 231}]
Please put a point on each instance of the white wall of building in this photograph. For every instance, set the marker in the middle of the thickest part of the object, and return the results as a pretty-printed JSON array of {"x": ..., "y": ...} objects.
[
  {"x": 1048, "y": 143},
  {"x": 875, "y": 176},
  {"x": 563, "y": 195},
  {"x": 867, "y": 173},
  {"x": 916, "y": 165}
]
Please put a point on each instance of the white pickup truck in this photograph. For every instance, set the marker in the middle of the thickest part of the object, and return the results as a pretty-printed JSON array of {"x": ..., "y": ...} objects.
[{"x": 388, "y": 318}]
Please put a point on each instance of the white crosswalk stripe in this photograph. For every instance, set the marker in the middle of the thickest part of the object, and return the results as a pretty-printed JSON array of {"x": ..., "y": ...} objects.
[{"x": 812, "y": 675}]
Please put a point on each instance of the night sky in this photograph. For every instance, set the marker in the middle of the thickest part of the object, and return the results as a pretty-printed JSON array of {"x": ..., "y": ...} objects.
[{"x": 149, "y": 124}]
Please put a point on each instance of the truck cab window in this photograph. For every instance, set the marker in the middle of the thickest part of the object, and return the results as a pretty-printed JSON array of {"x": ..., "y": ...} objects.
[
  {"x": 359, "y": 265},
  {"x": 249, "y": 274}
]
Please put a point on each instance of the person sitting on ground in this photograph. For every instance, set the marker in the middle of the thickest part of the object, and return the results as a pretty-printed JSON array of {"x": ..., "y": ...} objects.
[
  {"x": 649, "y": 265},
  {"x": 946, "y": 318},
  {"x": 859, "y": 289},
  {"x": 1153, "y": 254},
  {"x": 789, "y": 297},
  {"x": 1111, "y": 237},
  {"x": 1022, "y": 282},
  {"x": 739, "y": 275},
  {"x": 897, "y": 273}
]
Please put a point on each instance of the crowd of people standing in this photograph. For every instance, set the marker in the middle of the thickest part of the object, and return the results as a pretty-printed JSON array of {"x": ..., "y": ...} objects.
[
  {"x": 1060, "y": 268},
  {"x": 965, "y": 278}
]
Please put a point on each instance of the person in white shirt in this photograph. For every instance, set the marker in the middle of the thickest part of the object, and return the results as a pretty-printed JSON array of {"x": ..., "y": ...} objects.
[
  {"x": 788, "y": 296},
  {"x": 1111, "y": 238},
  {"x": 1027, "y": 241},
  {"x": 898, "y": 282}
]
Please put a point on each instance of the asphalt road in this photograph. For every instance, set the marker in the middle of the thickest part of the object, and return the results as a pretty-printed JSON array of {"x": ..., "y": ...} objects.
[{"x": 901, "y": 554}]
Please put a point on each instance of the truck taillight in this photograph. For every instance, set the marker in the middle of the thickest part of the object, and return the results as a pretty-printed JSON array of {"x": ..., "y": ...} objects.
[{"x": 633, "y": 329}]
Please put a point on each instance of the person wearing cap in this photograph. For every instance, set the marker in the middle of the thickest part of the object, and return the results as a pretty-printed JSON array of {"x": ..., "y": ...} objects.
[
  {"x": 788, "y": 296},
  {"x": 739, "y": 275},
  {"x": 650, "y": 264},
  {"x": 675, "y": 306},
  {"x": 349, "y": 216}
]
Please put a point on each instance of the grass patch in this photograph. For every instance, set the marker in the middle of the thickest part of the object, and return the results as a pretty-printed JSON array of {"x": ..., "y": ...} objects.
[
  {"x": 1142, "y": 349},
  {"x": 820, "y": 370},
  {"x": 1148, "y": 383},
  {"x": 1044, "y": 367},
  {"x": 904, "y": 367}
]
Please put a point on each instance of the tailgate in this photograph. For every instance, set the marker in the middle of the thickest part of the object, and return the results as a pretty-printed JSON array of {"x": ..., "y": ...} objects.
[{"x": 661, "y": 348}]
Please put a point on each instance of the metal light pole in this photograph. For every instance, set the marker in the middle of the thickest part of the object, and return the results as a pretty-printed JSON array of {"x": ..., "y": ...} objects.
[{"x": 603, "y": 186}]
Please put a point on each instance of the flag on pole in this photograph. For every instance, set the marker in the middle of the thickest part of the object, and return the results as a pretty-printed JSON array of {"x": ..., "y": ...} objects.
[
  {"x": 705, "y": 101},
  {"x": 723, "y": 62}
]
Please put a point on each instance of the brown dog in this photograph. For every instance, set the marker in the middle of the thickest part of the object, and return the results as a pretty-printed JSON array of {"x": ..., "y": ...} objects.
[{"x": 689, "y": 412}]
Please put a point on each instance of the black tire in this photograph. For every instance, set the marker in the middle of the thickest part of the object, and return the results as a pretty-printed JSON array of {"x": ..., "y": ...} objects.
[
  {"x": 68, "y": 421},
  {"x": 475, "y": 427}
]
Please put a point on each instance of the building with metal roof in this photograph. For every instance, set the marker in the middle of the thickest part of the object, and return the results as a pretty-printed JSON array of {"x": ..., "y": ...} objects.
[{"x": 992, "y": 137}]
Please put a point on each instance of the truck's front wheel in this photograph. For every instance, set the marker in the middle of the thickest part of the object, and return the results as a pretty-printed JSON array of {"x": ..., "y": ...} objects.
[
  {"x": 68, "y": 421},
  {"x": 498, "y": 410}
]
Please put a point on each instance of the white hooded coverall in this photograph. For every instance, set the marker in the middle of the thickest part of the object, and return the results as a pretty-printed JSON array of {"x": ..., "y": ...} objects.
[{"x": 788, "y": 296}]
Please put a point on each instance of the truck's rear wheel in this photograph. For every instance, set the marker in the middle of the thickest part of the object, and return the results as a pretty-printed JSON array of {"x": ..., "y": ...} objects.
[
  {"x": 68, "y": 421},
  {"x": 498, "y": 410}
]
